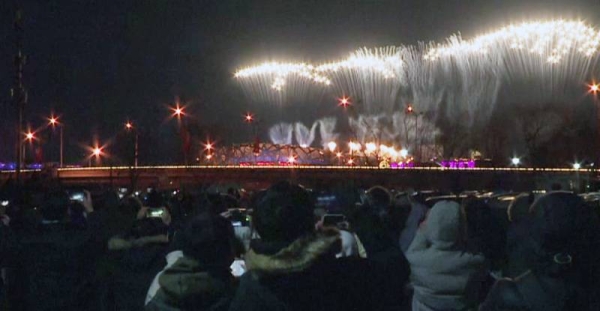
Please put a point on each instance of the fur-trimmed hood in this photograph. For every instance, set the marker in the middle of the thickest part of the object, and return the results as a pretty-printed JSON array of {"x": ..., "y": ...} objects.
[{"x": 298, "y": 256}]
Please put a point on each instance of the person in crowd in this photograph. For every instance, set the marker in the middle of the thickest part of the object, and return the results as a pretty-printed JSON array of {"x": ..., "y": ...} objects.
[
  {"x": 440, "y": 267},
  {"x": 562, "y": 268},
  {"x": 485, "y": 236},
  {"x": 197, "y": 276},
  {"x": 294, "y": 267},
  {"x": 484, "y": 233},
  {"x": 134, "y": 256},
  {"x": 6, "y": 249},
  {"x": 416, "y": 214},
  {"x": 517, "y": 236},
  {"x": 378, "y": 233},
  {"x": 55, "y": 262}
]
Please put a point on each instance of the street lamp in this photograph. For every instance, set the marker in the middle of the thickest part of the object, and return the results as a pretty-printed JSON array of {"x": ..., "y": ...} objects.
[
  {"x": 178, "y": 111},
  {"x": 594, "y": 88},
  {"x": 344, "y": 101},
  {"x": 515, "y": 161},
  {"x": 248, "y": 117},
  {"x": 576, "y": 166},
  {"x": 96, "y": 153},
  {"x": 129, "y": 127},
  {"x": 404, "y": 153},
  {"x": 53, "y": 122}
]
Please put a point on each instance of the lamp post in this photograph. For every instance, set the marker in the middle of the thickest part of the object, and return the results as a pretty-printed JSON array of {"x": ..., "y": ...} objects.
[
  {"x": 594, "y": 88},
  {"x": 53, "y": 121},
  {"x": 29, "y": 137},
  {"x": 411, "y": 111},
  {"x": 96, "y": 153},
  {"x": 255, "y": 123},
  {"x": 130, "y": 128},
  {"x": 179, "y": 112}
]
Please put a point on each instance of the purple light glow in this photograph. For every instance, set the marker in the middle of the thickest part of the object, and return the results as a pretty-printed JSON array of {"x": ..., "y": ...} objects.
[
  {"x": 397, "y": 165},
  {"x": 458, "y": 164}
]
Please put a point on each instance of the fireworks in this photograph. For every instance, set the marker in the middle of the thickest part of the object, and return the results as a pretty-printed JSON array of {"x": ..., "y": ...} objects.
[
  {"x": 459, "y": 80},
  {"x": 383, "y": 61},
  {"x": 552, "y": 40},
  {"x": 280, "y": 72}
]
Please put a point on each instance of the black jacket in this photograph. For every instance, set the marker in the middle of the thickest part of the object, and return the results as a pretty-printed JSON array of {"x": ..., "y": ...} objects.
[
  {"x": 306, "y": 276},
  {"x": 55, "y": 269}
]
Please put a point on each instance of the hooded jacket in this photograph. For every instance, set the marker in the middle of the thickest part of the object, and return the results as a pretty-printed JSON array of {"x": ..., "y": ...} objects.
[
  {"x": 305, "y": 275},
  {"x": 440, "y": 271},
  {"x": 189, "y": 285}
]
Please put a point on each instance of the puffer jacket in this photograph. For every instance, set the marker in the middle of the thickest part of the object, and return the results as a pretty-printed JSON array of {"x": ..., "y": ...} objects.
[{"x": 440, "y": 270}]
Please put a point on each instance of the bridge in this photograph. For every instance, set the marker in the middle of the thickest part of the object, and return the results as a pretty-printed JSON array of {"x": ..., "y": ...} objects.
[{"x": 515, "y": 178}]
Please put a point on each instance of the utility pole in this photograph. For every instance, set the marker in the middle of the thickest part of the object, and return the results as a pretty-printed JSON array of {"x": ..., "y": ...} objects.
[{"x": 18, "y": 93}]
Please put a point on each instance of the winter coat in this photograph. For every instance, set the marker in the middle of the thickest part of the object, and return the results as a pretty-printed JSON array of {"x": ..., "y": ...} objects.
[
  {"x": 440, "y": 270},
  {"x": 189, "y": 285},
  {"x": 171, "y": 258},
  {"x": 55, "y": 269},
  {"x": 306, "y": 276}
]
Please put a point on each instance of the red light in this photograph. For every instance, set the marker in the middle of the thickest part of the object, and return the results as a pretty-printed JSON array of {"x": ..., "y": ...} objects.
[
  {"x": 178, "y": 111},
  {"x": 97, "y": 151},
  {"x": 594, "y": 88},
  {"x": 248, "y": 118},
  {"x": 128, "y": 125},
  {"x": 409, "y": 109},
  {"x": 29, "y": 136},
  {"x": 53, "y": 120},
  {"x": 344, "y": 101}
]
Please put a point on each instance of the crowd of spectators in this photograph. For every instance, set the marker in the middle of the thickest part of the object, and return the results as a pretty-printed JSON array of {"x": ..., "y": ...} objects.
[{"x": 280, "y": 249}]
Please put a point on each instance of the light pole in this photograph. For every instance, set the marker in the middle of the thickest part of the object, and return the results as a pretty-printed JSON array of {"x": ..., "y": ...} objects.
[
  {"x": 253, "y": 121},
  {"x": 29, "y": 137},
  {"x": 53, "y": 121},
  {"x": 410, "y": 110},
  {"x": 96, "y": 153},
  {"x": 594, "y": 88},
  {"x": 179, "y": 112},
  {"x": 129, "y": 127}
]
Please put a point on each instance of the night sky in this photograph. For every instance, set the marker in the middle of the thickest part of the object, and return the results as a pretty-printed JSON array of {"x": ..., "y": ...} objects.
[{"x": 100, "y": 62}]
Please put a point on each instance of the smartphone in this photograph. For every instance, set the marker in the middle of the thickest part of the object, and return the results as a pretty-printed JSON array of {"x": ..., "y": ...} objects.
[
  {"x": 155, "y": 213},
  {"x": 238, "y": 267},
  {"x": 333, "y": 220},
  {"x": 77, "y": 196}
]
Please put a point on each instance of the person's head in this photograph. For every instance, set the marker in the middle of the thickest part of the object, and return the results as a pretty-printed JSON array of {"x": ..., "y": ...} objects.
[
  {"x": 284, "y": 213},
  {"x": 484, "y": 232},
  {"x": 560, "y": 220},
  {"x": 55, "y": 205},
  {"x": 445, "y": 226},
  {"x": 209, "y": 239},
  {"x": 379, "y": 198},
  {"x": 130, "y": 207}
]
